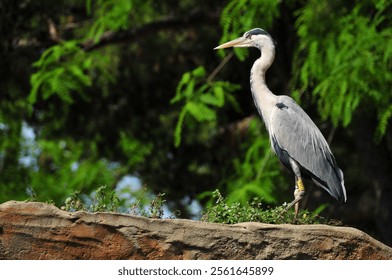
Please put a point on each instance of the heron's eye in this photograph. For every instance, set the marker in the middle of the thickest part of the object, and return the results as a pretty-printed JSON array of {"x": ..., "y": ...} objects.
[{"x": 248, "y": 36}]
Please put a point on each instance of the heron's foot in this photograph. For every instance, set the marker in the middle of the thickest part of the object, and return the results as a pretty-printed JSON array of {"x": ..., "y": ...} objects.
[
  {"x": 295, "y": 201},
  {"x": 299, "y": 193},
  {"x": 291, "y": 204},
  {"x": 298, "y": 196}
]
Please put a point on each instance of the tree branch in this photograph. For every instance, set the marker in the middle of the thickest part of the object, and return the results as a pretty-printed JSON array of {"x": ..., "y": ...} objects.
[{"x": 123, "y": 36}]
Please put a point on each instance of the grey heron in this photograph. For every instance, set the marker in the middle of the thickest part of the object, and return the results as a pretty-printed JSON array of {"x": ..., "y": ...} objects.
[{"x": 294, "y": 137}]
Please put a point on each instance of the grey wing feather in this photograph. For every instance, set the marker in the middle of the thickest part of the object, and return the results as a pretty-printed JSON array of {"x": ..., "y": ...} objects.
[{"x": 294, "y": 134}]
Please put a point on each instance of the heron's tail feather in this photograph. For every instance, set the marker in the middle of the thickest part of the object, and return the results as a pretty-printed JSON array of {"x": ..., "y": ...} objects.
[{"x": 334, "y": 184}]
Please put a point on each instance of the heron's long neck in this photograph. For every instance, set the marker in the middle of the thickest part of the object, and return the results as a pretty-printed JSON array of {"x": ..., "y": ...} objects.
[{"x": 264, "y": 99}]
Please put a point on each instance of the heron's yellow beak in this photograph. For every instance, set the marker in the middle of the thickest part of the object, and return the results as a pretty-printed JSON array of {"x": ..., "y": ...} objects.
[{"x": 240, "y": 42}]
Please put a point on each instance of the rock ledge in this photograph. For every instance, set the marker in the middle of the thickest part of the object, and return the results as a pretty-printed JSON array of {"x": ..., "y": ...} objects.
[{"x": 32, "y": 230}]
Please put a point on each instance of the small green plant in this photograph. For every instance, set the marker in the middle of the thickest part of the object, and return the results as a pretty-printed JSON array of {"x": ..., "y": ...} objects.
[
  {"x": 150, "y": 209},
  {"x": 230, "y": 213},
  {"x": 107, "y": 200},
  {"x": 74, "y": 203},
  {"x": 104, "y": 200},
  {"x": 156, "y": 206}
]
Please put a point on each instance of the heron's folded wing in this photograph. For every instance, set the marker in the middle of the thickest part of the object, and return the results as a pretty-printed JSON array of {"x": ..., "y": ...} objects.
[{"x": 294, "y": 132}]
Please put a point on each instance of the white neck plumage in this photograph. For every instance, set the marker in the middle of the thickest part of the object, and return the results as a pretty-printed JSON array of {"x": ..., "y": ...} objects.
[{"x": 261, "y": 93}]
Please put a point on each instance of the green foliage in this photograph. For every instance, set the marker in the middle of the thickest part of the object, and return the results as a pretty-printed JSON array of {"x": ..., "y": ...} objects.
[
  {"x": 57, "y": 75},
  {"x": 201, "y": 99},
  {"x": 134, "y": 150},
  {"x": 222, "y": 211},
  {"x": 383, "y": 122},
  {"x": 345, "y": 60},
  {"x": 110, "y": 16},
  {"x": 12, "y": 172},
  {"x": 66, "y": 166},
  {"x": 240, "y": 16},
  {"x": 66, "y": 68}
]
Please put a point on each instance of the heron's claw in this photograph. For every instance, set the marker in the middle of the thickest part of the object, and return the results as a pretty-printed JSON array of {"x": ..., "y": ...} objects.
[
  {"x": 299, "y": 193},
  {"x": 295, "y": 201}
]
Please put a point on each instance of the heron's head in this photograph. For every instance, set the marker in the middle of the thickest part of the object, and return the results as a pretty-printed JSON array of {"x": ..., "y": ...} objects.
[{"x": 256, "y": 37}]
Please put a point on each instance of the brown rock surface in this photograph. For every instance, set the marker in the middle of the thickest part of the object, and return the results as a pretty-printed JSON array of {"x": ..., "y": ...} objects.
[{"x": 32, "y": 230}]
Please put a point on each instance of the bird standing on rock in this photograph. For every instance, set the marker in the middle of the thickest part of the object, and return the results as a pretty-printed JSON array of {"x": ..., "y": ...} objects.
[{"x": 294, "y": 137}]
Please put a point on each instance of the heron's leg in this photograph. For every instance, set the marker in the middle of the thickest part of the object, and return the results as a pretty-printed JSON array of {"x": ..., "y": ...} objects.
[{"x": 299, "y": 191}]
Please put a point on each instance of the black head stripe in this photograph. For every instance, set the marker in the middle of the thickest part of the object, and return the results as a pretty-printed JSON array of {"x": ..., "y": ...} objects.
[{"x": 255, "y": 31}]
